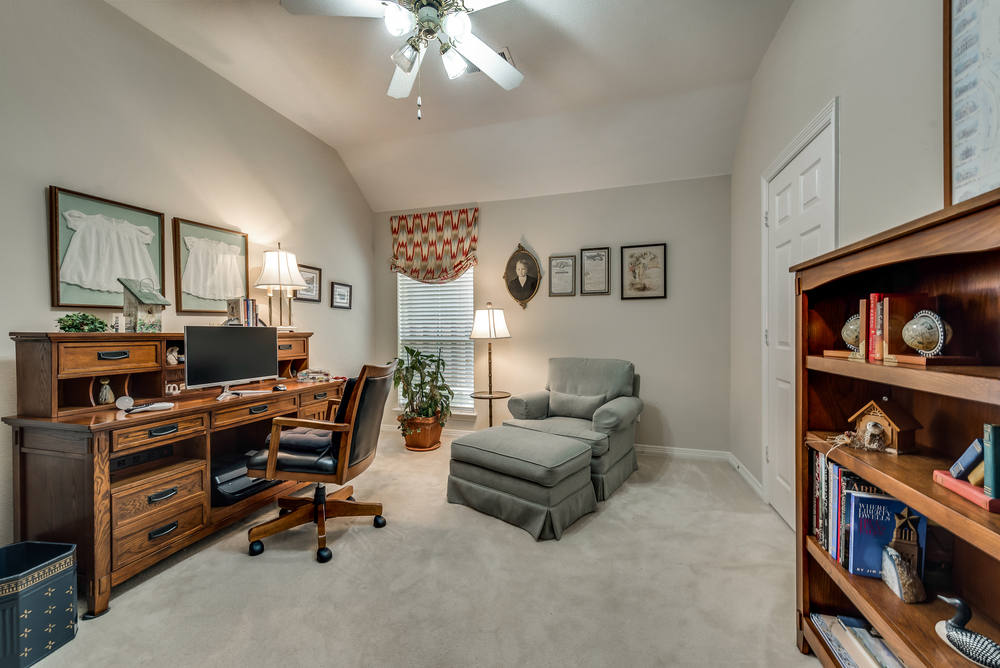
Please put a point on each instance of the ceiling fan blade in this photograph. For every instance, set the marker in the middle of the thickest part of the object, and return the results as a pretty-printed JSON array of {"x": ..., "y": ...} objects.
[
  {"x": 486, "y": 59},
  {"x": 476, "y": 5},
  {"x": 365, "y": 8},
  {"x": 402, "y": 83}
]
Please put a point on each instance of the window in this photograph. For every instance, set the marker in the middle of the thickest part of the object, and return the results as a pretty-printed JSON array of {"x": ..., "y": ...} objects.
[{"x": 438, "y": 319}]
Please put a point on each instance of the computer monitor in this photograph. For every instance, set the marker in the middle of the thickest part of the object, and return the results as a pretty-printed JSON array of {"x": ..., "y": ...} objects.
[{"x": 229, "y": 356}]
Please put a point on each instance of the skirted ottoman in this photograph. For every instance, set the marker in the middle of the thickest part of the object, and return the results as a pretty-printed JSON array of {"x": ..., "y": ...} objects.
[{"x": 537, "y": 481}]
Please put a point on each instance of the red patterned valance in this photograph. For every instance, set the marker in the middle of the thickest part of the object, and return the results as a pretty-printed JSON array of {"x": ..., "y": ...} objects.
[{"x": 435, "y": 247}]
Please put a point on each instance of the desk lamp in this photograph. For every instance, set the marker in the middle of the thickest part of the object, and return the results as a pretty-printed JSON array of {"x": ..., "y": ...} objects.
[
  {"x": 280, "y": 271},
  {"x": 490, "y": 324}
]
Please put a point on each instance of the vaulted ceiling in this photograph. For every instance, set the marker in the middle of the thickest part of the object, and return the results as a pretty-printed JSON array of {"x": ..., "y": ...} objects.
[{"x": 614, "y": 93}]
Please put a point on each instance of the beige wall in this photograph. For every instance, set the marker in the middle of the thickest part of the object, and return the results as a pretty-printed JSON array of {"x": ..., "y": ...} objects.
[
  {"x": 93, "y": 102},
  {"x": 884, "y": 61},
  {"x": 679, "y": 345}
]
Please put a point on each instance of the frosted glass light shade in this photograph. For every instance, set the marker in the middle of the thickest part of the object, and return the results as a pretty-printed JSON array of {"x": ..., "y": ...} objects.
[
  {"x": 457, "y": 25},
  {"x": 405, "y": 57},
  {"x": 489, "y": 323},
  {"x": 454, "y": 64},
  {"x": 280, "y": 270},
  {"x": 398, "y": 21}
]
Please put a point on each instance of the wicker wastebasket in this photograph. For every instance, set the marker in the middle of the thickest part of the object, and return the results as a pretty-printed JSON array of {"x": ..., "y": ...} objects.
[{"x": 37, "y": 601}]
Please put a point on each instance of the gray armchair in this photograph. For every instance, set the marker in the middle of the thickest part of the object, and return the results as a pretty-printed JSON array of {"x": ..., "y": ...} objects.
[{"x": 592, "y": 400}]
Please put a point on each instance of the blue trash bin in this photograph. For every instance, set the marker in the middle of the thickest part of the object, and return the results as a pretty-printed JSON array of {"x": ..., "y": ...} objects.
[{"x": 37, "y": 601}]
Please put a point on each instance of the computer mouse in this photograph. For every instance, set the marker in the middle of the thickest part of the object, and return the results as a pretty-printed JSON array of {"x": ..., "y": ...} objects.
[{"x": 279, "y": 388}]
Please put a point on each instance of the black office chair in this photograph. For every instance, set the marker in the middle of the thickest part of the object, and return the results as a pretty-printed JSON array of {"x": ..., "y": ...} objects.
[{"x": 324, "y": 451}]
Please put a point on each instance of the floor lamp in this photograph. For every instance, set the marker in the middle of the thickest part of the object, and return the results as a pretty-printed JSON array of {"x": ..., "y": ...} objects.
[
  {"x": 280, "y": 271},
  {"x": 490, "y": 324}
]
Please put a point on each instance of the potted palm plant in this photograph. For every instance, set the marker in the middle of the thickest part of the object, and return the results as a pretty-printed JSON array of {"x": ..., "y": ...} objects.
[{"x": 427, "y": 399}]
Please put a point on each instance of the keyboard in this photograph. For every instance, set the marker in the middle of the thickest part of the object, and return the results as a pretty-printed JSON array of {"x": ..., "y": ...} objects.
[{"x": 154, "y": 406}]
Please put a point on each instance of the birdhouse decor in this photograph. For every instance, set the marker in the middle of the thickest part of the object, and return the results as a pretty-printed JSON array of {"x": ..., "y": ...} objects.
[
  {"x": 885, "y": 426},
  {"x": 143, "y": 307}
]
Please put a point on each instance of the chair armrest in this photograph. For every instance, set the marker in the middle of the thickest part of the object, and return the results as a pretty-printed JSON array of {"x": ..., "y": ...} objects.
[
  {"x": 275, "y": 444},
  {"x": 617, "y": 414},
  {"x": 530, "y": 406}
]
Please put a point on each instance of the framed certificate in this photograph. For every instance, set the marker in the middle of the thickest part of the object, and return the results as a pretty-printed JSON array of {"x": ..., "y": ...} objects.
[
  {"x": 595, "y": 271},
  {"x": 562, "y": 275}
]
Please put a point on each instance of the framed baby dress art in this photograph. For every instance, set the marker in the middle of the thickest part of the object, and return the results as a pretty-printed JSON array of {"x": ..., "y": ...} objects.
[
  {"x": 210, "y": 266},
  {"x": 95, "y": 241}
]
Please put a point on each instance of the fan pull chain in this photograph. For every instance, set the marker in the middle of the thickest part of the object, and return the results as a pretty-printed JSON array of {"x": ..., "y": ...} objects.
[{"x": 419, "y": 117}]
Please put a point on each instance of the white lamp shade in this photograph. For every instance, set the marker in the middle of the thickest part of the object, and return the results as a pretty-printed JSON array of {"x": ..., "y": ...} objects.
[
  {"x": 454, "y": 64},
  {"x": 457, "y": 25},
  {"x": 489, "y": 324},
  {"x": 280, "y": 270},
  {"x": 405, "y": 58},
  {"x": 399, "y": 21}
]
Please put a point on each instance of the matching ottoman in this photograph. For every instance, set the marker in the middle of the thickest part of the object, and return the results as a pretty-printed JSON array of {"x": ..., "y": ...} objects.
[{"x": 537, "y": 481}]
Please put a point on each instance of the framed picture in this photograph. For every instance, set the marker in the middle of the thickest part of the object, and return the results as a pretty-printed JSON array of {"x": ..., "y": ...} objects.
[
  {"x": 128, "y": 239},
  {"x": 521, "y": 276},
  {"x": 341, "y": 295},
  {"x": 595, "y": 271},
  {"x": 314, "y": 280},
  {"x": 210, "y": 266},
  {"x": 644, "y": 271},
  {"x": 562, "y": 275}
]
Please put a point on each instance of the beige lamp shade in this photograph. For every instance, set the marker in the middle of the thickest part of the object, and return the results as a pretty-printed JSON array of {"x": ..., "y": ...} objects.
[
  {"x": 280, "y": 270},
  {"x": 489, "y": 324}
]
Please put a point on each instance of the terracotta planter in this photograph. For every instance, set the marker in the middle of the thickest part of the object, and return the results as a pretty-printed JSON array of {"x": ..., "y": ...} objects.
[{"x": 426, "y": 434}]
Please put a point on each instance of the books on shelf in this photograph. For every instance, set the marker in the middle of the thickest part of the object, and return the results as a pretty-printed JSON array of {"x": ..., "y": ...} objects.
[
  {"x": 244, "y": 311},
  {"x": 977, "y": 475},
  {"x": 962, "y": 487},
  {"x": 825, "y": 624},
  {"x": 878, "y": 520},
  {"x": 863, "y": 645},
  {"x": 968, "y": 461}
]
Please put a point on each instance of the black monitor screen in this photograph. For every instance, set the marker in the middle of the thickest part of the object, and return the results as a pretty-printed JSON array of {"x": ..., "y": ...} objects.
[{"x": 229, "y": 355}]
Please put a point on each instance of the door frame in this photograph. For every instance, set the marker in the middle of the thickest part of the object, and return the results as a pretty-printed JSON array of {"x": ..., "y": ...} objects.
[{"x": 830, "y": 116}]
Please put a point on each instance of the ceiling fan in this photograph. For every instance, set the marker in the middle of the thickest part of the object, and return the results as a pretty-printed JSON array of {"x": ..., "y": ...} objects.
[{"x": 444, "y": 20}]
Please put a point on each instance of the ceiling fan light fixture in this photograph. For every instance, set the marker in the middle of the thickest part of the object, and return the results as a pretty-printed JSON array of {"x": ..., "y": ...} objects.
[
  {"x": 457, "y": 25},
  {"x": 405, "y": 57},
  {"x": 454, "y": 64},
  {"x": 398, "y": 21}
]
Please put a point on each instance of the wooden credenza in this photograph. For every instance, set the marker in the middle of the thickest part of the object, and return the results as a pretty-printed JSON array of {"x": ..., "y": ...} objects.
[{"x": 130, "y": 490}]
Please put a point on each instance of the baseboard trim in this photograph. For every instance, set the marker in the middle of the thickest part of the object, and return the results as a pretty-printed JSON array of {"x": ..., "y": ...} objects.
[
  {"x": 704, "y": 455},
  {"x": 444, "y": 432}
]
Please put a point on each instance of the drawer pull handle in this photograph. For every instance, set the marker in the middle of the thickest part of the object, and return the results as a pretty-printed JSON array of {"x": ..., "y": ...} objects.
[
  {"x": 321, "y": 395},
  {"x": 165, "y": 430},
  {"x": 163, "y": 531},
  {"x": 162, "y": 496},
  {"x": 257, "y": 410},
  {"x": 285, "y": 346},
  {"x": 113, "y": 355}
]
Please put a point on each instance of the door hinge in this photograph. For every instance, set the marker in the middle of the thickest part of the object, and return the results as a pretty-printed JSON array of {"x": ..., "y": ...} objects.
[
  {"x": 765, "y": 220},
  {"x": 766, "y": 338},
  {"x": 767, "y": 454}
]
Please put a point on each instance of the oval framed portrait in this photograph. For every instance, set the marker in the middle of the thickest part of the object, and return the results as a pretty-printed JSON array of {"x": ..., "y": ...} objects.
[{"x": 521, "y": 276}]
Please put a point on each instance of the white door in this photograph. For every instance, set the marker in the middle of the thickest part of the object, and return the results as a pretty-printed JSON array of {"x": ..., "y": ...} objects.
[{"x": 801, "y": 215}]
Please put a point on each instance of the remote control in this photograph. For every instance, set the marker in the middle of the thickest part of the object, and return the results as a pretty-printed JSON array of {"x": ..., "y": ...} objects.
[{"x": 155, "y": 406}]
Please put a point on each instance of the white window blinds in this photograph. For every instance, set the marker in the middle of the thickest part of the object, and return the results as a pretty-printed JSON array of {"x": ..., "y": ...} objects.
[{"x": 438, "y": 319}]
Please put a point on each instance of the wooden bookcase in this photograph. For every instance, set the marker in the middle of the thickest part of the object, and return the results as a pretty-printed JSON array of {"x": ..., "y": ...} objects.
[{"x": 953, "y": 255}]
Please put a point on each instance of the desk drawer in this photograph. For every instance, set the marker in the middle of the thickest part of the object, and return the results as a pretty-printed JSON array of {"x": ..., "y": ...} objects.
[
  {"x": 139, "y": 539},
  {"x": 166, "y": 492},
  {"x": 154, "y": 433},
  {"x": 109, "y": 357},
  {"x": 254, "y": 411},
  {"x": 318, "y": 396},
  {"x": 288, "y": 348}
]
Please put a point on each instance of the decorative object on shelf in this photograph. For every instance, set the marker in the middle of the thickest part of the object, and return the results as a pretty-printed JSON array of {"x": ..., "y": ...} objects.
[
  {"x": 855, "y": 336},
  {"x": 426, "y": 399},
  {"x": 975, "y": 647},
  {"x": 595, "y": 271},
  {"x": 81, "y": 322},
  {"x": 489, "y": 324},
  {"x": 313, "y": 292},
  {"x": 562, "y": 275},
  {"x": 927, "y": 333},
  {"x": 341, "y": 295},
  {"x": 105, "y": 396},
  {"x": 521, "y": 276},
  {"x": 124, "y": 402},
  {"x": 212, "y": 264},
  {"x": 969, "y": 460},
  {"x": 242, "y": 313},
  {"x": 644, "y": 271},
  {"x": 127, "y": 239},
  {"x": 875, "y": 523},
  {"x": 898, "y": 425},
  {"x": 281, "y": 271},
  {"x": 143, "y": 306},
  {"x": 851, "y": 332},
  {"x": 967, "y": 490},
  {"x": 172, "y": 355},
  {"x": 873, "y": 438},
  {"x": 901, "y": 578}
]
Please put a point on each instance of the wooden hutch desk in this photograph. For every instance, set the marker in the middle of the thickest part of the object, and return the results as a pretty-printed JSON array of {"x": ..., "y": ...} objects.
[{"x": 130, "y": 490}]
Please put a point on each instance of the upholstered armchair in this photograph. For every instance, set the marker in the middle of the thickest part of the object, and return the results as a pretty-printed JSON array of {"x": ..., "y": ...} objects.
[{"x": 592, "y": 400}]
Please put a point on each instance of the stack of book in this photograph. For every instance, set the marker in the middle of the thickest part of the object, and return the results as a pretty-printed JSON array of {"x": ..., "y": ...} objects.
[
  {"x": 244, "y": 310},
  {"x": 854, "y": 642},
  {"x": 974, "y": 475}
]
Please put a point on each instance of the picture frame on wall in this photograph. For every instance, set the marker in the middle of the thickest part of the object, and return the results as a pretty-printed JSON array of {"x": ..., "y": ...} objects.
[
  {"x": 341, "y": 295},
  {"x": 129, "y": 238},
  {"x": 313, "y": 277},
  {"x": 595, "y": 271},
  {"x": 211, "y": 266},
  {"x": 562, "y": 275},
  {"x": 644, "y": 271},
  {"x": 521, "y": 276}
]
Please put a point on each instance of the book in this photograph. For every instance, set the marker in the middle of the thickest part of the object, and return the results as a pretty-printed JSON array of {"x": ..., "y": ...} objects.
[
  {"x": 824, "y": 624},
  {"x": 835, "y": 480},
  {"x": 990, "y": 477},
  {"x": 852, "y": 645},
  {"x": 874, "y": 525},
  {"x": 978, "y": 474},
  {"x": 873, "y": 300},
  {"x": 879, "y": 331},
  {"x": 968, "y": 461},
  {"x": 875, "y": 646},
  {"x": 970, "y": 492},
  {"x": 853, "y": 483}
]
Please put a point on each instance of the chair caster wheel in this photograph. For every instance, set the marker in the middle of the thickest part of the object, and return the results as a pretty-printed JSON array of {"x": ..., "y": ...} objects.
[
  {"x": 351, "y": 498},
  {"x": 379, "y": 522},
  {"x": 324, "y": 555},
  {"x": 256, "y": 548},
  {"x": 283, "y": 512}
]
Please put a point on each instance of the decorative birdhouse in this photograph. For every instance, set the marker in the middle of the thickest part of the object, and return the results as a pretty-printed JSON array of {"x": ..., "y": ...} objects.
[
  {"x": 143, "y": 307},
  {"x": 898, "y": 426}
]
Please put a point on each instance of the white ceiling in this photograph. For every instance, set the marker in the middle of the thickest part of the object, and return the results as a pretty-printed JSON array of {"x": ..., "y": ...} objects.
[{"x": 615, "y": 93}]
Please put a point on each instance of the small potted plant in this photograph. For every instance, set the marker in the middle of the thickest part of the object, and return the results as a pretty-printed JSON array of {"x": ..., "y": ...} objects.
[{"x": 427, "y": 399}]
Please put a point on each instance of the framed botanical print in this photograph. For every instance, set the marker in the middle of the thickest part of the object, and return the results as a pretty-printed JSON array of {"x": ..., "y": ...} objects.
[
  {"x": 521, "y": 276},
  {"x": 595, "y": 271},
  {"x": 95, "y": 241},
  {"x": 341, "y": 295},
  {"x": 562, "y": 275},
  {"x": 210, "y": 266},
  {"x": 644, "y": 271},
  {"x": 314, "y": 281}
]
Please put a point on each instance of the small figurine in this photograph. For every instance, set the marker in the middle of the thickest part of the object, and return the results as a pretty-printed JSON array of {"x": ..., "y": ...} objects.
[
  {"x": 105, "y": 396},
  {"x": 975, "y": 647},
  {"x": 172, "y": 359},
  {"x": 896, "y": 430}
]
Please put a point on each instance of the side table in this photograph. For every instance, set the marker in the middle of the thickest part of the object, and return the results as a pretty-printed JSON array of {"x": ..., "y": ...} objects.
[{"x": 490, "y": 397}]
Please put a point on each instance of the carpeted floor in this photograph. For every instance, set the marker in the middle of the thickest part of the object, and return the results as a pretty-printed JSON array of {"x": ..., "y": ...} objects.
[{"x": 683, "y": 566}]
